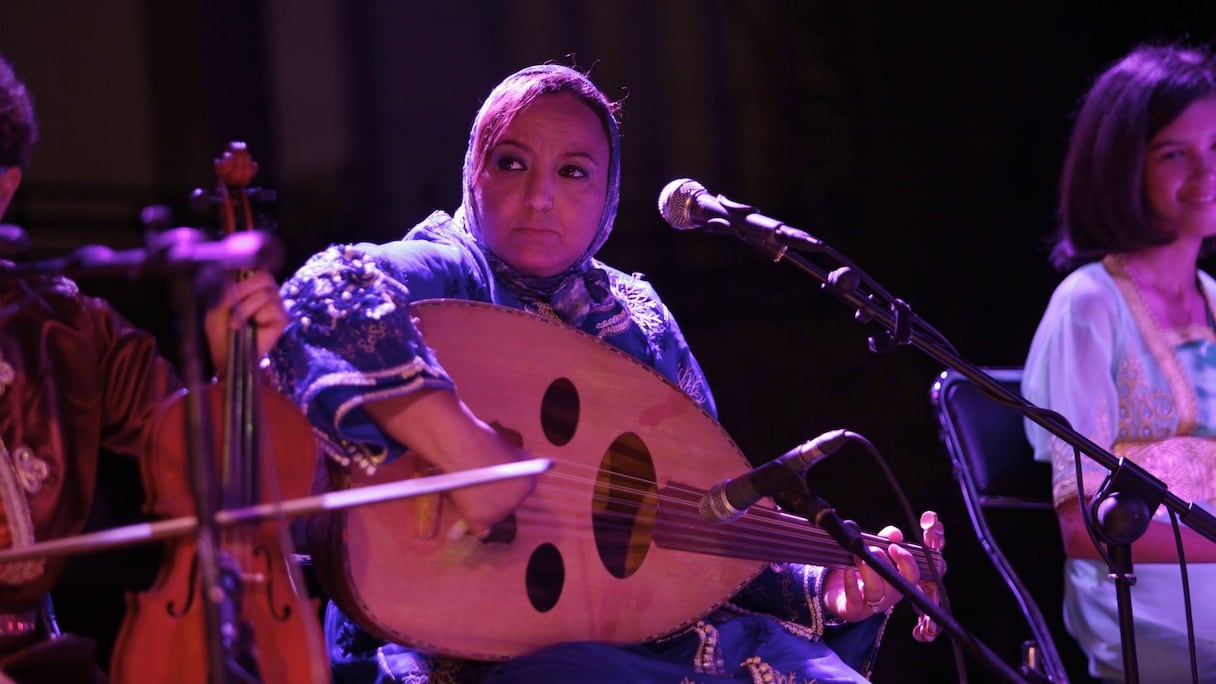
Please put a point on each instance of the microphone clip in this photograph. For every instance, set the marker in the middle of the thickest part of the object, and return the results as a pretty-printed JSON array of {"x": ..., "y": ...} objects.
[{"x": 749, "y": 225}]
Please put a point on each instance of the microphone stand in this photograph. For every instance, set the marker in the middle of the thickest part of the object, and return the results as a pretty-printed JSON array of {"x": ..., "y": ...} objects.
[
  {"x": 218, "y": 612},
  {"x": 821, "y": 514},
  {"x": 1122, "y": 507},
  {"x": 167, "y": 254}
]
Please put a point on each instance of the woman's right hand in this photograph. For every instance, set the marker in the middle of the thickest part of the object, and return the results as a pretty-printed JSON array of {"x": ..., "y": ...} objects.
[
  {"x": 441, "y": 429},
  {"x": 481, "y": 506}
]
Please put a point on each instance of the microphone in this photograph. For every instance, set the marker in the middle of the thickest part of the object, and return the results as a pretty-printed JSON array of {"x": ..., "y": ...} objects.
[
  {"x": 686, "y": 204},
  {"x": 727, "y": 501}
]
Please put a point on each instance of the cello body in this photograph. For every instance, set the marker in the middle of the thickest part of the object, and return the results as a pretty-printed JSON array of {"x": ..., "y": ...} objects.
[
  {"x": 164, "y": 636},
  {"x": 227, "y": 604}
]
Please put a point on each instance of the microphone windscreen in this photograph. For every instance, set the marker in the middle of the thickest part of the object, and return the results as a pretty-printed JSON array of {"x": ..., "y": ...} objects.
[{"x": 676, "y": 200}]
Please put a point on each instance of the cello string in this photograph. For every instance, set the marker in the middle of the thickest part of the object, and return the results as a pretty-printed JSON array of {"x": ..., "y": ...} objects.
[{"x": 253, "y": 448}]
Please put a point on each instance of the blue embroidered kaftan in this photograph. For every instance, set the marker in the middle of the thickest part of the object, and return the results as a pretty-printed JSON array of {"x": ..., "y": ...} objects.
[{"x": 351, "y": 340}]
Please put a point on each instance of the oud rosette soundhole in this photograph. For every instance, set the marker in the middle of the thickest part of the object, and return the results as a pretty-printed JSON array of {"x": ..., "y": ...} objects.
[{"x": 624, "y": 505}]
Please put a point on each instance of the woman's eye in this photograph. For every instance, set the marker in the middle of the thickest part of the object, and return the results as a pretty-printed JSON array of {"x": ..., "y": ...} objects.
[
  {"x": 509, "y": 163},
  {"x": 572, "y": 171}
]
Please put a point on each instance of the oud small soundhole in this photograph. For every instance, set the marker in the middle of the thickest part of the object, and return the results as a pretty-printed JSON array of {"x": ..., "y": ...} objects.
[
  {"x": 545, "y": 578},
  {"x": 559, "y": 412},
  {"x": 624, "y": 506}
]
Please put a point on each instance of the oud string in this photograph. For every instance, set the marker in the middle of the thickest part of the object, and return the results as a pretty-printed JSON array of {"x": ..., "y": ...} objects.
[{"x": 570, "y": 499}]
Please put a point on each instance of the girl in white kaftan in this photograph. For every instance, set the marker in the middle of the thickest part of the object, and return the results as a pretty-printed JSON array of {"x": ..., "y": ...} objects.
[
  {"x": 1126, "y": 351},
  {"x": 1143, "y": 393}
]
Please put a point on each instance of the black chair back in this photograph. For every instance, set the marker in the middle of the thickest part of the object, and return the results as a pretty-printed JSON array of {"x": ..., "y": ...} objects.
[
  {"x": 987, "y": 443},
  {"x": 1000, "y": 481}
]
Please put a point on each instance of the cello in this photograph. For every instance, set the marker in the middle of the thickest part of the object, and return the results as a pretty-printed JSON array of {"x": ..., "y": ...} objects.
[{"x": 246, "y": 621}]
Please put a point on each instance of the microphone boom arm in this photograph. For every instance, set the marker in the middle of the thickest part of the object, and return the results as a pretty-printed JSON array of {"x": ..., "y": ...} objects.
[
  {"x": 896, "y": 320},
  {"x": 904, "y": 327}
]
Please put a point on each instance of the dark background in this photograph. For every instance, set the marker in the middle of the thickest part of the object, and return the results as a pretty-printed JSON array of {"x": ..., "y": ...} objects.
[{"x": 922, "y": 142}]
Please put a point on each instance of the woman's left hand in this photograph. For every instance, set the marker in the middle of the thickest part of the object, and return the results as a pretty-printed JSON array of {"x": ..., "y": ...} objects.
[
  {"x": 934, "y": 535},
  {"x": 252, "y": 300},
  {"x": 856, "y": 593}
]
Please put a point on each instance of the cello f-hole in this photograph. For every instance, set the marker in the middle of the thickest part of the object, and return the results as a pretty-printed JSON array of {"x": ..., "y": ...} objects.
[
  {"x": 280, "y": 610},
  {"x": 170, "y": 607}
]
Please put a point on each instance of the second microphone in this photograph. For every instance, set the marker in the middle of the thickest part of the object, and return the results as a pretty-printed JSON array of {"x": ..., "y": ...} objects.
[{"x": 729, "y": 500}]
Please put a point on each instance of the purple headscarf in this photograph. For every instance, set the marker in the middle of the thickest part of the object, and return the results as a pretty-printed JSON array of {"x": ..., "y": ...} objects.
[{"x": 571, "y": 291}]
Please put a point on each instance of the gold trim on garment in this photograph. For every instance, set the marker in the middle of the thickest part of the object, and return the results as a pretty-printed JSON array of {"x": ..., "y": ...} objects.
[
  {"x": 13, "y": 487},
  {"x": 1186, "y": 400}
]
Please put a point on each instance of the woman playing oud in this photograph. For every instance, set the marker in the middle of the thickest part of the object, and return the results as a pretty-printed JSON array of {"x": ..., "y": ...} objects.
[{"x": 541, "y": 183}]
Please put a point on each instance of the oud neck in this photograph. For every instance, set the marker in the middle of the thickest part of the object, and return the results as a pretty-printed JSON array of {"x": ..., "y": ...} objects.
[{"x": 762, "y": 534}]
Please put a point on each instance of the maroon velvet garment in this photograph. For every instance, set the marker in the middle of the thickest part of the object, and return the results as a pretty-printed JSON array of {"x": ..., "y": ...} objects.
[{"x": 74, "y": 376}]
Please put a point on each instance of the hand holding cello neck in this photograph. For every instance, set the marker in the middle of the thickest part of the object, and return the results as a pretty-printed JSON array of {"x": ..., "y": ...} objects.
[{"x": 224, "y": 606}]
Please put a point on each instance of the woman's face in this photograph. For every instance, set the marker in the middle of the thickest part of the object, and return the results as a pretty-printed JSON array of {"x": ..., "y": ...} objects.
[
  {"x": 1180, "y": 172},
  {"x": 541, "y": 191}
]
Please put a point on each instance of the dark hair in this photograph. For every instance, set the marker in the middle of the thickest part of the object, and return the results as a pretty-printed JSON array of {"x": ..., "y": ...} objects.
[
  {"x": 18, "y": 129},
  {"x": 1103, "y": 207}
]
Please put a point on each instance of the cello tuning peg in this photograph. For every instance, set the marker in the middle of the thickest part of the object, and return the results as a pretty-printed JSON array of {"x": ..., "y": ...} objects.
[
  {"x": 156, "y": 218},
  {"x": 202, "y": 203},
  {"x": 263, "y": 195},
  {"x": 14, "y": 241}
]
